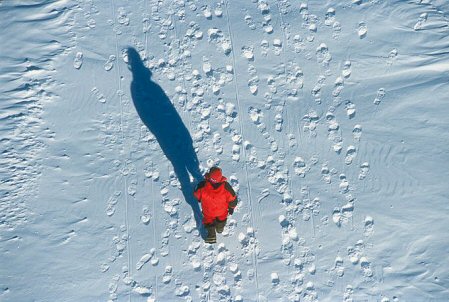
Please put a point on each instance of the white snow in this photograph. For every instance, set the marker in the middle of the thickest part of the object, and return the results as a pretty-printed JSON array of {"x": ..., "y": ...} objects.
[{"x": 330, "y": 121}]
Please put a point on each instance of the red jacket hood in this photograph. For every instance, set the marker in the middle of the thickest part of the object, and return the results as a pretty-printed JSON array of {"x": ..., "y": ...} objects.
[{"x": 208, "y": 178}]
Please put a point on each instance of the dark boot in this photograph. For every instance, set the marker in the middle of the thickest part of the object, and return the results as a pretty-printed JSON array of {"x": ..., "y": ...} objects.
[
  {"x": 219, "y": 225},
  {"x": 211, "y": 236}
]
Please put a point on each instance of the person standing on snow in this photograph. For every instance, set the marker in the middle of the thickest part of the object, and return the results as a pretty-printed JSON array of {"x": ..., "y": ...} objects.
[{"x": 217, "y": 199}]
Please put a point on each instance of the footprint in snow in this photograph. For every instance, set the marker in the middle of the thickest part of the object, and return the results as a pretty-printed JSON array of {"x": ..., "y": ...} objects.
[
  {"x": 332, "y": 128},
  {"x": 132, "y": 188},
  {"x": 298, "y": 43},
  {"x": 364, "y": 169},
  {"x": 283, "y": 221},
  {"x": 234, "y": 268},
  {"x": 182, "y": 291},
  {"x": 355, "y": 252},
  {"x": 264, "y": 7},
  {"x": 380, "y": 96},
  {"x": 248, "y": 53},
  {"x": 236, "y": 152},
  {"x": 316, "y": 90},
  {"x": 110, "y": 209},
  {"x": 144, "y": 259},
  {"x": 362, "y": 30},
  {"x": 336, "y": 217},
  {"x": 421, "y": 20},
  {"x": 207, "y": 13},
  {"x": 365, "y": 265},
  {"x": 277, "y": 47},
  {"x": 275, "y": 279},
  {"x": 216, "y": 140},
  {"x": 267, "y": 27},
  {"x": 292, "y": 143},
  {"x": 338, "y": 146},
  {"x": 248, "y": 242},
  {"x": 249, "y": 21},
  {"x": 146, "y": 216},
  {"x": 325, "y": 174},
  {"x": 347, "y": 211},
  {"x": 350, "y": 154},
  {"x": 346, "y": 72},
  {"x": 100, "y": 97},
  {"x": 220, "y": 259},
  {"x": 109, "y": 63},
  {"x": 344, "y": 184},
  {"x": 357, "y": 132},
  {"x": 142, "y": 290},
  {"x": 113, "y": 286},
  {"x": 146, "y": 24},
  {"x": 392, "y": 56},
  {"x": 195, "y": 261},
  {"x": 112, "y": 201},
  {"x": 338, "y": 86},
  {"x": 338, "y": 267},
  {"x": 343, "y": 215},
  {"x": 347, "y": 296},
  {"x": 350, "y": 109},
  {"x": 264, "y": 47},
  {"x": 278, "y": 122},
  {"x": 167, "y": 276},
  {"x": 336, "y": 28},
  {"x": 300, "y": 166},
  {"x": 330, "y": 16},
  {"x": 313, "y": 28},
  {"x": 368, "y": 226},
  {"x": 78, "y": 61},
  {"x": 122, "y": 16},
  {"x": 207, "y": 67},
  {"x": 91, "y": 23},
  {"x": 230, "y": 228},
  {"x": 310, "y": 293},
  {"x": 218, "y": 11},
  {"x": 253, "y": 85},
  {"x": 127, "y": 279},
  {"x": 104, "y": 267},
  {"x": 323, "y": 55}
]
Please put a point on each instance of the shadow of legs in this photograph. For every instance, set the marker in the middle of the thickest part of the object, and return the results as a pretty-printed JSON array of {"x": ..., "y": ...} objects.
[{"x": 187, "y": 191}]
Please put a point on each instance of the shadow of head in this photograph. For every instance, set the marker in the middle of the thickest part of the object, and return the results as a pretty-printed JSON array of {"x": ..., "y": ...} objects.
[{"x": 135, "y": 64}]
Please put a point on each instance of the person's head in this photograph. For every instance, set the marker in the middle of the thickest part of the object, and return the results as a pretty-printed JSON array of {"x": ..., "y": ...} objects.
[{"x": 215, "y": 175}]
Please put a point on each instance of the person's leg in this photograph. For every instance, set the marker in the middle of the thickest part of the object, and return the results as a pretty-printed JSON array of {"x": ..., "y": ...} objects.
[
  {"x": 209, "y": 225},
  {"x": 219, "y": 225},
  {"x": 211, "y": 235}
]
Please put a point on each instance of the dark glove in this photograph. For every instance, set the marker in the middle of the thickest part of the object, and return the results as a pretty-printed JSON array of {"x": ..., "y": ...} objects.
[{"x": 231, "y": 211}]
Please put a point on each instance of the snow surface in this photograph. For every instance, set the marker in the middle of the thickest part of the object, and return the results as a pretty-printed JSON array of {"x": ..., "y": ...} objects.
[{"x": 329, "y": 118}]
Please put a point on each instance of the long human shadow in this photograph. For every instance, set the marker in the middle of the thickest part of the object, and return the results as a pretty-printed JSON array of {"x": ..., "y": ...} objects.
[{"x": 160, "y": 116}]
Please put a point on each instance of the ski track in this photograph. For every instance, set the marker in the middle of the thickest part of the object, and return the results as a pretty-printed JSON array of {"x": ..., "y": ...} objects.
[
  {"x": 328, "y": 171},
  {"x": 124, "y": 144},
  {"x": 249, "y": 191}
]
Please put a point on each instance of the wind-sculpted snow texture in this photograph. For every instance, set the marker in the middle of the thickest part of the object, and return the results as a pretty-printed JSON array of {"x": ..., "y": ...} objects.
[{"x": 329, "y": 119}]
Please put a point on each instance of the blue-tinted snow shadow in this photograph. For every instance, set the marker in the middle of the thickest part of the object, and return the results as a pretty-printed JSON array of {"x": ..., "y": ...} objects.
[{"x": 160, "y": 116}]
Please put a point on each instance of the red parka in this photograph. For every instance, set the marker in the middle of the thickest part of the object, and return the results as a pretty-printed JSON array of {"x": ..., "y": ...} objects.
[{"x": 216, "y": 197}]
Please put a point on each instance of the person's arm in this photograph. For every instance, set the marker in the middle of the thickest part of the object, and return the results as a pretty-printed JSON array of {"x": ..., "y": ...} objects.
[
  {"x": 232, "y": 199},
  {"x": 198, "y": 190}
]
